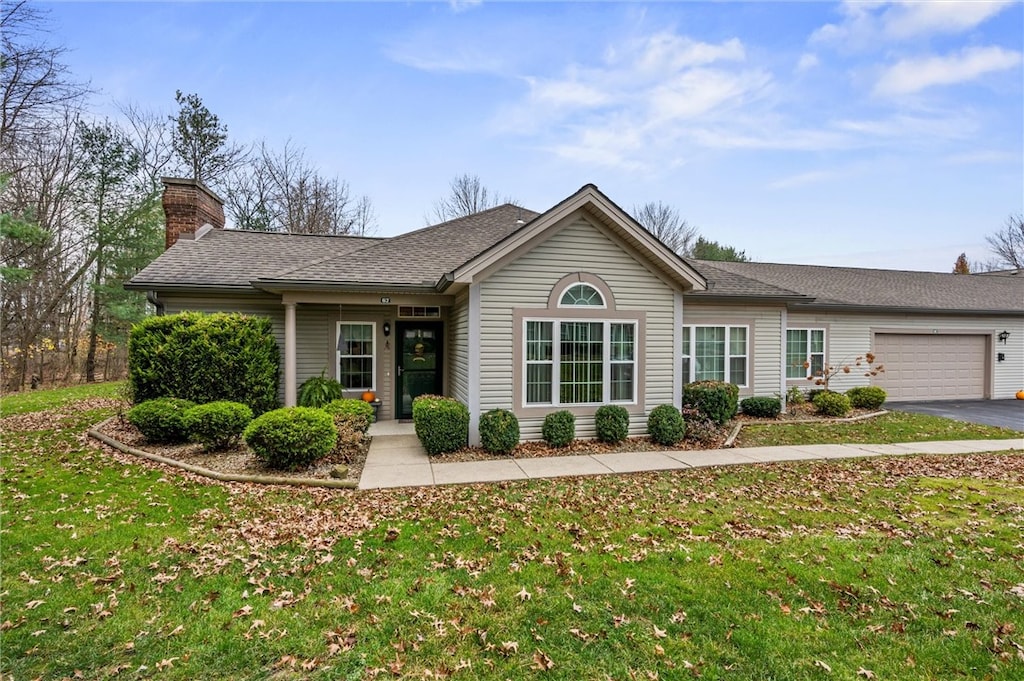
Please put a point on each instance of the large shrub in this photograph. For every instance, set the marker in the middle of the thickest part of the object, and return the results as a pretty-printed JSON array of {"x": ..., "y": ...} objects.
[
  {"x": 205, "y": 358},
  {"x": 217, "y": 425},
  {"x": 762, "y": 407},
  {"x": 499, "y": 431},
  {"x": 292, "y": 437},
  {"x": 866, "y": 397},
  {"x": 829, "y": 403},
  {"x": 715, "y": 399},
  {"x": 162, "y": 419},
  {"x": 559, "y": 428},
  {"x": 612, "y": 423},
  {"x": 357, "y": 413},
  {"x": 319, "y": 391},
  {"x": 665, "y": 425},
  {"x": 442, "y": 423}
]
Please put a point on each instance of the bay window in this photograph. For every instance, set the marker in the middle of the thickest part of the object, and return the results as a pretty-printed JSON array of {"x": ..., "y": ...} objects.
[{"x": 592, "y": 362}]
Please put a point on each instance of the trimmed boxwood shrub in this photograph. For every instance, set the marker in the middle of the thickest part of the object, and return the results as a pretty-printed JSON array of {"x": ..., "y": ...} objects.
[
  {"x": 715, "y": 399},
  {"x": 442, "y": 423},
  {"x": 162, "y": 419},
  {"x": 665, "y": 425},
  {"x": 217, "y": 425},
  {"x": 762, "y": 407},
  {"x": 292, "y": 437},
  {"x": 205, "y": 358},
  {"x": 499, "y": 431},
  {"x": 319, "y": 391},
  {"x": 559, "y": 428},
  {"x": 866, "y": 397},
  {"x": 612, "y": 423},
  {"x": 356, "y": 412},
  {"x": 829, "y": 403}
]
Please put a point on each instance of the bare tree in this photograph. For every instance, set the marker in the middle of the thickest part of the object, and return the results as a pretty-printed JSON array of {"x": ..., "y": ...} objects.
[
  {"x": 467, "y": 196},
  {"x": 35, "y": 83},
  {"x": 664, "y": 222},
  {"x": 150, "y": 135},
  {"x": 1008, "y": 243},
  {"x": 283, "y": 192}
]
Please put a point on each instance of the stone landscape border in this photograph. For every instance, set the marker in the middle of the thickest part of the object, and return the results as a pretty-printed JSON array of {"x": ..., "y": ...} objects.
[{"x": 215, "y": 475}]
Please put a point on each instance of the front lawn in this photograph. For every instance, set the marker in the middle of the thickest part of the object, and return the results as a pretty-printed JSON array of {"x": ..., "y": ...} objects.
[
  {"x": 876, "y": 568},
  {"x": 37, "y": 400},
  {"x": 888, "y": 428}
]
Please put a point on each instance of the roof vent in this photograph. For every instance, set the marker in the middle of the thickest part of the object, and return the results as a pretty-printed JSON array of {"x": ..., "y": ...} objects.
[{"x": 519, "y": 215}]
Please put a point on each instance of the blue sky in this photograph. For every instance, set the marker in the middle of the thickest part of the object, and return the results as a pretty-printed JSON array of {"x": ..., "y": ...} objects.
[{"x": 866, "y": 134}]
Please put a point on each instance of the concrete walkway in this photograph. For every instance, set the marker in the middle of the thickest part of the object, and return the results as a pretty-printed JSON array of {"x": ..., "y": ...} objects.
[{"x": 396, "y": 459}]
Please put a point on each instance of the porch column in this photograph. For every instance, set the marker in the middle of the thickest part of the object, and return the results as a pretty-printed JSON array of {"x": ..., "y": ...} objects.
[{"x": 289, "y": 355}]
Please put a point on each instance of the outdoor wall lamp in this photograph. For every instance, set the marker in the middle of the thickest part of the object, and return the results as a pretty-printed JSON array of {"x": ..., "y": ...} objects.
[
  {"x": 1003, "y": 335},
  {"x": 386, "y": 328}
]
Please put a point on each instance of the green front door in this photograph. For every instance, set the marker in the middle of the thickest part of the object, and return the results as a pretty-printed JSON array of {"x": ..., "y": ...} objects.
[{"x": 420, "y": 363}]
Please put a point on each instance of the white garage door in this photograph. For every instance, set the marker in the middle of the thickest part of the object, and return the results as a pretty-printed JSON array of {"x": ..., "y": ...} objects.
[{"x": 931, "y": 367}]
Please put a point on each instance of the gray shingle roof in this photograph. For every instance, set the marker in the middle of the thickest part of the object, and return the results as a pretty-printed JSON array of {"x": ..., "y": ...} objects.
[
  {"x": 233, "y": 258},
  {"x": 892, "y": 289},
  {"x": 724, "y": 283},
  {"x": 417, "y": 258}
]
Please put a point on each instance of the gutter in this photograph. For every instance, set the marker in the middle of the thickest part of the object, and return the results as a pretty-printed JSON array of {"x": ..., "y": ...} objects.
[{"x": 840, "y": 307}]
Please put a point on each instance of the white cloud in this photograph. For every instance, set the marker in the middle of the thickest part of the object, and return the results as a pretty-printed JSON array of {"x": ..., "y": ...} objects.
[
  {"x": 808, "y": 61},
  {"x": 865, "y": 24},
  {"x": 913, "y": 75}
]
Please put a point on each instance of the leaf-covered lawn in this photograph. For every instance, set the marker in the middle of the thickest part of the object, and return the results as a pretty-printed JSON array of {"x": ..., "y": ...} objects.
[
  {"x": 37, "y": 400},
  {"x": 892, "y": 427},
  {"x": 876, "y": 568}
]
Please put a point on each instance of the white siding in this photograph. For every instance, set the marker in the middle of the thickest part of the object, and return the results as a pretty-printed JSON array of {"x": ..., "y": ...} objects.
[
  {"x": 527, "y": 282},
  {"x": 458, "y": 348},
  {"x": 850, "y": 335},
  {"x": 765, "y": 333}
]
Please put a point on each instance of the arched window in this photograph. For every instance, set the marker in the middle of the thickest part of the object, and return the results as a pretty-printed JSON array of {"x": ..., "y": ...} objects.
[{"x": 581, "y": 295}]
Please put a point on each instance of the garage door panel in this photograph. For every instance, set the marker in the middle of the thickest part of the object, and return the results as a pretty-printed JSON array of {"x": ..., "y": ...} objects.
[{"x": 932, "y": 366}]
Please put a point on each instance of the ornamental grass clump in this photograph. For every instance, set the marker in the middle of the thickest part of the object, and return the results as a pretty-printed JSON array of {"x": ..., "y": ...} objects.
[
  {"x": 559, "y": 429},
  {"x": 611, "y": 423},
  {"x": 292, "y": 437},
  {"x": 161, "y": 420},
  {"x": 442, "y": 423},
  {"x": 715, "y": 399},
  {"x": 319, "y": 391},
  {"x": 665, "y": 425},
  {"x": 499, "y": 431},
  {"x": 217, "y": 425}
]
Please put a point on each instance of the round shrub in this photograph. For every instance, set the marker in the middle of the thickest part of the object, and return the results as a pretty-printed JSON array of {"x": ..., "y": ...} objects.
[
  {"x": 217, "y": 425},
  {"x": 612, "y": 423},
  {"x": 292, "y": 437},
  {"x": 442, "y": 424},
  {"x": 161, "y": 420},
  {"x": 866, "y": 397},
  {"x": 499, "y": 431},
  {"x": 665, "y": 425},
  {"x": 831, "y": 404},
  {"x": 762, "y": 407},
  {"x": 559, "y": 428},
  {"x": 715, "y": 399},
  {"x": 319, "y": 391},
  {"x": 356, "y": 412}
]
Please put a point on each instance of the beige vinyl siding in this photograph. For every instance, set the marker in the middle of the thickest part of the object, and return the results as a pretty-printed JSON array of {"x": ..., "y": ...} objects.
[
  {"x": 383, "y": 349},
  {"x": 850, "y": 335},
  {"x": 526, "y": 283},
  {"x": 458, "y": 348},
  {"x": 764, "y": 345}
]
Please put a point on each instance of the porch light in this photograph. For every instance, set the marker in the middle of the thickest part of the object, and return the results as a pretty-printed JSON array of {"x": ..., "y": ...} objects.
[{"x": 1003, "y": 336}]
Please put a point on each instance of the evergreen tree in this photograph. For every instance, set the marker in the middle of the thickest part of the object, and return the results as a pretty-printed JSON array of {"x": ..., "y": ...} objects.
[
  {"x": 961, "y": 266},
  {"x": 705, "y": 249}
]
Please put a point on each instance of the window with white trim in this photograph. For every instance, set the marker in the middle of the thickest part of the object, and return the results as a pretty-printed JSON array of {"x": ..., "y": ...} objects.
[
  {"x": 593, "y": 362},
  {"x": 805, "y": 352},
  {"x": 581, "y": 295},
  {"x": 715, "y": 353},
  {"x": 356, "y": 359}
]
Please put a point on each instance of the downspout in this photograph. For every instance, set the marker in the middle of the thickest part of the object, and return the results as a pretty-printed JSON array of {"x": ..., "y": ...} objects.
[{"x": 153, "y": 300}]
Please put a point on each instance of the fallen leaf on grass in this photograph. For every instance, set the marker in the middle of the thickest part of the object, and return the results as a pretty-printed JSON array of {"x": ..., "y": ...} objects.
[
  {"x": 541, "y": 662},
  {"x": 866, "y": 673},
  {"x": 819, "y": 663}
]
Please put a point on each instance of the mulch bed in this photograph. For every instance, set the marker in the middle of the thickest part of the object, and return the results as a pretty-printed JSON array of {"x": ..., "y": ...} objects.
[{"x": 239, "y": 459}]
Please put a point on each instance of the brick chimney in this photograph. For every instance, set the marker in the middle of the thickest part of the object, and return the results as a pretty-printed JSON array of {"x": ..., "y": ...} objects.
[{"x": 188, "y": 205}]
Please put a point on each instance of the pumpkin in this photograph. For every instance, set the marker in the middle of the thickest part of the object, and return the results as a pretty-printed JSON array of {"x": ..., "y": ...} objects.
[
  {"x": 1020, "y": 394},
  {"x": 369, "y": 396}
]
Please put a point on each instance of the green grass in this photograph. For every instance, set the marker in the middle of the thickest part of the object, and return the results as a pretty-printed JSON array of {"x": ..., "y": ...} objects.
[
  {"x": 38, "y": 400},
  {"x": 904, "y": 567},
  {"x": 888, "y": 428}
]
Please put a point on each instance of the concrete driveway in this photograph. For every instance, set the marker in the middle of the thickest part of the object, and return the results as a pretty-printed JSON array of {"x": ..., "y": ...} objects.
[{"x": 1005, "y": 413}]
